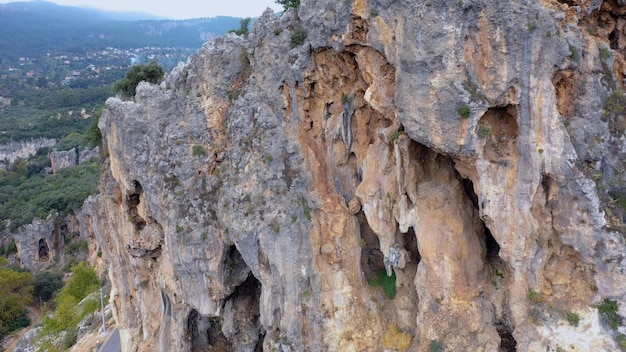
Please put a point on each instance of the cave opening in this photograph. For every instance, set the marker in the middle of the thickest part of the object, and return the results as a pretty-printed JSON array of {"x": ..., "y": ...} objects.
[
  {"x": 372, "y": 258},
  {"x": 132, "y": 202},
  {"x": 235, "y": 270},
  {"x": 205, "y": 333},
  {"x": 499, "y": 128},
  {"x": 44, "y": 251},
  {"x": 240, "y": 321},
  {"x": 507, "y": 341}
]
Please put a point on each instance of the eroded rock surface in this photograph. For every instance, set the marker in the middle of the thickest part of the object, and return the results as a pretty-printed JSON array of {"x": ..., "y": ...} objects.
[{"x": 465, "y": 148}]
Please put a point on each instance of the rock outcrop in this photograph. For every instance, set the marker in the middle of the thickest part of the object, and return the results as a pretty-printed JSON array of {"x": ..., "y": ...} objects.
[
  {"x": 43, "y": 244},
  {"x": 473, "y": 151},
  {"x": 61, "y": 159},
  {"x": 10, "y": 152}
]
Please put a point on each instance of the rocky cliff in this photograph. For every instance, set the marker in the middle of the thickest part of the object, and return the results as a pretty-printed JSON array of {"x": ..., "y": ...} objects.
[
  {"x": 9, "y": 152},
  {"x": 467, "y": 156}
]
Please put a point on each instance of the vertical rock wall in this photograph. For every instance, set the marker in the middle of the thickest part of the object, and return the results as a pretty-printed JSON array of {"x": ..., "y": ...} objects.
[{"x": 258, "y": 198}]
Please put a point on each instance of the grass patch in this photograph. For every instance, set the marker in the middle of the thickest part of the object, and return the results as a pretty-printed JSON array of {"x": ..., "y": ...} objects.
[
  {"x": 573, "y": 319},
  {"x": 483, "y": 132},
  {"x": 298, "y": 36},
  {"x": 534, "y": 296},
  {"x": 395, "y": 339},
  {"x": 305, "y": 208},
  {"x": 604, "y": 53},
  {"x": 573, "y": 52},
  {"x": 396, "y": 135},
  {"x": 198, "y": 150},
  {"x": 608, "y": 313},
  {"x": 435, "y": 346},
  {"x": 388, "y": 283},
  {"x": 464, "y": 112}
]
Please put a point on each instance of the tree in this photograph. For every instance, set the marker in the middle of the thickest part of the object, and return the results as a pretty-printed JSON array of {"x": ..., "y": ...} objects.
[
  {"x": 15, "y": 296},
  {"x": 289, "y": 4},
  {"x": 46, "y": 284},
  {"x": 151, "y": 73},
  {"x": 243, "y": 27},
  {"x": 68, "y": 313}
]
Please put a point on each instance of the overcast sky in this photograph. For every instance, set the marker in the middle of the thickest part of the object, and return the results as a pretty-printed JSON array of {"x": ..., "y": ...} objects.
[{"x": 179, "y": 9}]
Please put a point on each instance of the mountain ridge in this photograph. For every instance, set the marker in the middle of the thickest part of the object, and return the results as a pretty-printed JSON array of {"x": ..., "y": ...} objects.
[{"x": 31, "y": 29}]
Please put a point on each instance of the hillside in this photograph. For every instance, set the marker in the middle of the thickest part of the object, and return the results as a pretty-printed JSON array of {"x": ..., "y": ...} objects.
[{"x": 33, "y": 29}]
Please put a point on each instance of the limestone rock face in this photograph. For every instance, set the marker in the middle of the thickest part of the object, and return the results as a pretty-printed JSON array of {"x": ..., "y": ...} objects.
[
  {"x": 9, "y": 152},
  {"x": 42, "y": 243},
  {"x": 63, "y": 159},
  {"x": 468, "y": 157}
]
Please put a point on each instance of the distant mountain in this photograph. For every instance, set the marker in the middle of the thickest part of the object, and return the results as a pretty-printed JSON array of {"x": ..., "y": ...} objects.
[{"x": 32, "y": 29}]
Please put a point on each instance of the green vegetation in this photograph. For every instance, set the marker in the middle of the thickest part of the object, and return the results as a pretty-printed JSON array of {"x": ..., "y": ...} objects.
[
  {"x": 464, "y": 112},
  {"x": 396, "y": 135},
  {"x": 151, "y": 73},
  {"x": 289, "y": 4},
  {"x": 198, "y": 150},
  {"x": 374, "y": 13},
  {"x": 69, "y": 310},
  {"x": 305, "y": 208},
  {"x": 604, "y": 53},
  {"x": 620, "y": 339},
  {"x": 46, "y": 285},
  {"x": 615, "y": 103},
  {"x": 608, "y": 313},
  {"x": 573, "y": 52},
  {"x": 24, "y": 198},
  {"x": 243, "y": 28},
  {"x": 435, "y": 346},
  {"x": 483, "y": 132},
  {"x": 15, "y": 290},
  {"x": 532, "y": 26},
  {"x": 298, "y": 37},
  {"x": 573, "y": 319},
  {"x": 388, "y": 283},
  {"x": 534, "y": 296}
]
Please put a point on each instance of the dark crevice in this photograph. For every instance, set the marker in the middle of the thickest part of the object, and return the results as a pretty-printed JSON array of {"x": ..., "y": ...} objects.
[
  {"x": 132, "y": 202},
  {"x": 44, "y": 251},
  {"x": 206, "y": 333},
  {"x": 468, "y": 187},
  {"x": 240, "y": 321},
  {"x": 492, "y": 247},
  {"x": 235, "y": 269},
  {"x": 371, "y": 255},
  {"x": 507, "y": 341},
  {"x": 410, "y": 244}
]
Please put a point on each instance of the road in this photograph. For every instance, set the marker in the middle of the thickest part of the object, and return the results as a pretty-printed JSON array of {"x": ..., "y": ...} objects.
[{"x": 112, "y": 344}]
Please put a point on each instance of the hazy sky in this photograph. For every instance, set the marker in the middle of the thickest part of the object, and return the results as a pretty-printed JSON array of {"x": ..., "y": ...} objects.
[{"x": 178, "y": 9}]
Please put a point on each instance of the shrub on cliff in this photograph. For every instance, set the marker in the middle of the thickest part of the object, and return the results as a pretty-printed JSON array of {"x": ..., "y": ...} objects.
[
  {"x": 243, "y": 27},
  {"x": 151, "y": 73},
  {"x": 287, "y": 4}
]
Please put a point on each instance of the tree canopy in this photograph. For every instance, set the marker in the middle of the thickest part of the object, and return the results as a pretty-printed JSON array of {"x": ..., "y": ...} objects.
[
  {"x": 287, "y": 4},
  {"x": 151, "y": 73},
  {"x": 15, "y": 296}
]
